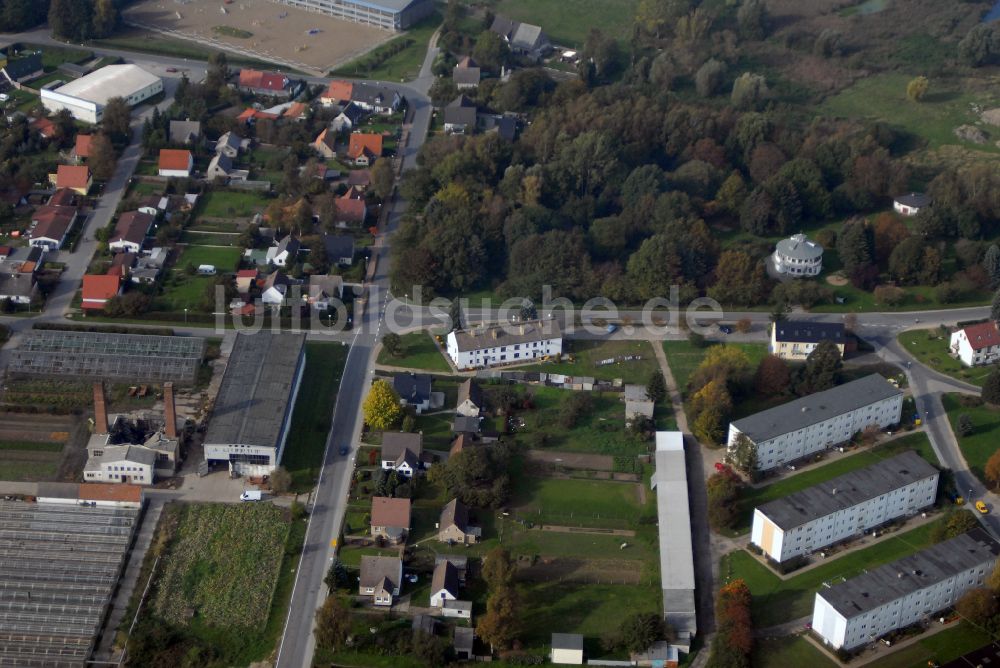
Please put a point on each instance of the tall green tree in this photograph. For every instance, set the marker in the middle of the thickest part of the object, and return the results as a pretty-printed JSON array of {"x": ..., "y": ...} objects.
[
  {"x": 656, "y": 388},
  {"x": 820, "y": 370},
  {"x": 116, "y": 121},
  {"x": 856, "y": 244},
  {"x": 995, "y": 306},
  {"x": 333, "y": 623},
  {"x": 991, "y": 263},
  {"x": 71, "y": 19},
  {"x": 106, "y": 18}
]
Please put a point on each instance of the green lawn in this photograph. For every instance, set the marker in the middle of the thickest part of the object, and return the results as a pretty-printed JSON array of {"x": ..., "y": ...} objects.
[
  {"x": 181, "y": 291},
  {"x": 933, "y": 119},
  {"x": 939, "y": 648},
  {"x": 313, "y": 411},
  {"x": 592, "y": 610},
  {"x": 31, "y": 446},
  {"x": 985, "y": 438},
  {"x": 588, "y": 353},
  {"x": 684, "y": 358},
  {"x": 223, "y": 259},
  {"x": 231, "y": 203},
  {"x": 207, "y": 238},
  {"x": 22, "y": 471},
  {"x": 418, "y": 352},
  {"x": 776, "y": 601},
  {"x": 755, "y": 496},
  {"x": 602, "y": 431},
  {"x": 146, "y": 42},
  {"x": 595, "y": 503},
  {"x": 569, "y": 23},
  {"x": 407, "y": 51},
  {"x": 788, "y": 651},
  {"x": 930, "y": 347}
]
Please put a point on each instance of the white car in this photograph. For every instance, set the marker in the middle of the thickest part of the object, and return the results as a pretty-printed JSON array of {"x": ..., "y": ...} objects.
[{"x": 4, "y": 97}]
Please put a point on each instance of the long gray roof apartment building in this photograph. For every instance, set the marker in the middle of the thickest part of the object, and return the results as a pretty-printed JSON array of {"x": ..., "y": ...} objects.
[
  {"x": 812, "y": 423},
  {"x": 253, "y": 411},
  {"x": 844, "y": 507},
  {"x": 864, "y": 608}
]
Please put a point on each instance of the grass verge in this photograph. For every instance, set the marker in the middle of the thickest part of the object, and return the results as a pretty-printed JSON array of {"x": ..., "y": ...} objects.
[
  {"x": 418, "y": 351},
  {"x": 978, "y": 446},
  {"x": 776, "y": 601},
  {"x": 930, "y": 348},
  {"x": 313, "y": 413}
]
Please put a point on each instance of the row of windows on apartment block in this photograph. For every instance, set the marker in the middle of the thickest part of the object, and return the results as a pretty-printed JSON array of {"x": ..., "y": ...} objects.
[{"x": 844, "y": 521}]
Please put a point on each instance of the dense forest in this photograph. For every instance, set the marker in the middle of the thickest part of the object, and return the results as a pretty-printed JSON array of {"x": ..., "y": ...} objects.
[{"x": 679, "y": 158}]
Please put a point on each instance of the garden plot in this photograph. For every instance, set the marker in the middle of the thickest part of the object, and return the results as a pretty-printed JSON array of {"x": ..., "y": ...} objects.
[
  {"x": 31, "y": 447},
  {"x": 221, "y": 565}
]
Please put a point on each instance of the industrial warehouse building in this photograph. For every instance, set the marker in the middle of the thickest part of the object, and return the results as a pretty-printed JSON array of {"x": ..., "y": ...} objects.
[
  {"x": 63, "y": 556},
  {"x": 844, "y": 507},
  {"x": 126, "y": 357},
  {"x": 86, "y": 97},
  {"x": 253, "y": 411},
  {"x": 861, "y": 610},
  {"x": 385, "y": 14},
  {"x": 676, "y": 548},
  {"x": 799, "y": 428}
]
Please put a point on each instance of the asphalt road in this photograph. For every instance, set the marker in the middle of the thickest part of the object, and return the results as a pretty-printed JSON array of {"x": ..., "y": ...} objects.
[
  {"x": 330, "y": 500},
  {"x": 297, "y": 644}
]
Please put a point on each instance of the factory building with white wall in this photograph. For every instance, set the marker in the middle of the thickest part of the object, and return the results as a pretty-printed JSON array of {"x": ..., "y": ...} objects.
[
  {"x": 253, "y": 410},
  {"x": 87, "y": 96},
  {"x": 802, "y": 427},
  {"x": 858, "y": 611},
  {"x": 844, "y": 507}
]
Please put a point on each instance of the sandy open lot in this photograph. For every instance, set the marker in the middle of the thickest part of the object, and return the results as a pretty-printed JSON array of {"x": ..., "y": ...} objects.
[{"x": 279, "y": 32}]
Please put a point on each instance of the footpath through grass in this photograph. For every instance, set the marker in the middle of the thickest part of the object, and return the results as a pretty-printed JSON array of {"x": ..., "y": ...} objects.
[
  {"x": 313, "y": 413},
  {"x": 985, "y": 437},
  {"x": 755, "y": 496},
  {"x": 930, "y": 348},
  {"x": 939, "y": 648},
  {"x": 776, "y": 601},
  {"x": 417, "y": 351}
]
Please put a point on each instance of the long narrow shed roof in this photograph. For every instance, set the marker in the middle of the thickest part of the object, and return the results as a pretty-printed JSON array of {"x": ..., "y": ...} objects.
[
  {"x": 256, "y": 389},
  {"x": 676, "y": 548},
  {"x": 816, "y": 408},
  {"x": 847, "y": 490}
]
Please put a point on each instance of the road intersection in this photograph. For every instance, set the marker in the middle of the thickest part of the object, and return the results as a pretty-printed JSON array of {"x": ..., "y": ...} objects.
[{"x": 329, "y": 497}]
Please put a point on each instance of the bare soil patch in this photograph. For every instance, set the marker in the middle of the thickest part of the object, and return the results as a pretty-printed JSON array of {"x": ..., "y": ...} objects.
[
  {"x": 573, "y": 460},
  {"x": 277, "y": 31},
  {"x": 588, "y": 571}
]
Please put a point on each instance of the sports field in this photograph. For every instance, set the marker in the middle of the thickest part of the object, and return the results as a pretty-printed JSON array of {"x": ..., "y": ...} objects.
[{"x": 267, "y": 29}]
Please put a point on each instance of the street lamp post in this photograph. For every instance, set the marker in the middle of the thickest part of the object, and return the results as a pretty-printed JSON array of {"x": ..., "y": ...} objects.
[{"x": 185, "y": 316}]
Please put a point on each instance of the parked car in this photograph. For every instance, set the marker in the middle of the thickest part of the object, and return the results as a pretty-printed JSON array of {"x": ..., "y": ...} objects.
[
  {"x": 611, "y": 329},
  {"x": 725, "y": 329},
  {"x": 171, "y": 69},
  {"x": 251, "y": 495},
  {"x": 981, "y": 507},
  {"x": 344, "y": 449}
]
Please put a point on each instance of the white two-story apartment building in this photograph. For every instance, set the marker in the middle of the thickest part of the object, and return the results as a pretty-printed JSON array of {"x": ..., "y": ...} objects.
[
  {"x": 976, "y": 344},
  {"x": 861, "y": 610},
  {"x": 799, "y": 428},
  {"x": 504, "y": 344},
  {"x": 844, "y": 507}
]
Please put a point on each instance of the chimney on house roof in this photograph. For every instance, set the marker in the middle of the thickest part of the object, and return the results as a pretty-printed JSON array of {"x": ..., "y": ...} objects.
[
  {"x": 100, "y": 410},
  {"x": 169, "y": 411}
]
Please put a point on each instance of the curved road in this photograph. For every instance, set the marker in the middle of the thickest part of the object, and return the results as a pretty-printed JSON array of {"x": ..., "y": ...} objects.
[{"x": 330, "y": 495}]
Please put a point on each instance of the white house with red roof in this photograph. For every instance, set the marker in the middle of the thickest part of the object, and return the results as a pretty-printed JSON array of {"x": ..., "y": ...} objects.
[
  {"x": 976, "y": 344},
  {"x": 268, "y": 83}
]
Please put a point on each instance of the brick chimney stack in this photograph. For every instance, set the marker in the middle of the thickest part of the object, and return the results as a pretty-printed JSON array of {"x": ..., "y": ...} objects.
[
  {"x": 100, "y": 410},
  {"x": 169, "y": 411}
]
